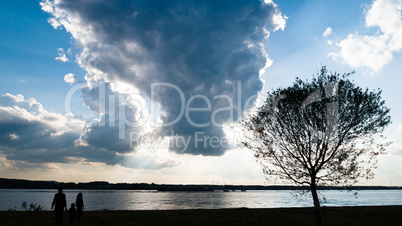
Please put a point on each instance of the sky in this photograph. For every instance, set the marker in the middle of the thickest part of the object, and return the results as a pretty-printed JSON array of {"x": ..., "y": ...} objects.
[{"x": 151, "y": 91}]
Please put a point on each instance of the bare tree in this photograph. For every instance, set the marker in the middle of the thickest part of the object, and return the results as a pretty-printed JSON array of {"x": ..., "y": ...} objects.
[{"x": 319, "y": 132}]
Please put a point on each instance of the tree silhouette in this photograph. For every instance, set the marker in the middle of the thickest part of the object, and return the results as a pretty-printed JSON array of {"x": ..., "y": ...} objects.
[{"x": 319, "y": 132}]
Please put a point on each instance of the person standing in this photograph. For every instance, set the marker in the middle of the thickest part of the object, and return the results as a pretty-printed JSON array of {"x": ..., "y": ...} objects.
[
  {"x": 79, "y": 202},
  {"x": 59, "y": 203},
  {"x": 72, "y": 212}
]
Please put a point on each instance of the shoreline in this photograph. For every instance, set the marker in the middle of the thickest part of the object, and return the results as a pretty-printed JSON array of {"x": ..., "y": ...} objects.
[
  {"x": 8, "y": 183},
  {"x": 346, "y": 215}
]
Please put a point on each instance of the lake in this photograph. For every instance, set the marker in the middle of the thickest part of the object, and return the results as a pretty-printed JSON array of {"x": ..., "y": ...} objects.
[{"x": 154, "y": 200}]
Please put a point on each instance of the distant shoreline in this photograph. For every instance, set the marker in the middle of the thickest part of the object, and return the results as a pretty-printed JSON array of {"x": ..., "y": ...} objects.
[
  {"x": 103, "y": 185},
  {"x": 357, "y": 215}
]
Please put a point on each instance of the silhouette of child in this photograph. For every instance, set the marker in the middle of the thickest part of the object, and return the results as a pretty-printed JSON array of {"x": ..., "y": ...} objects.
[{"x": 72, "y": 212}]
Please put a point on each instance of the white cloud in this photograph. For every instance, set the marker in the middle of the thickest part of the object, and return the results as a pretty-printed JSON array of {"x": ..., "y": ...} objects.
[
  {"x": 334, "y": 56},
  {"x": 46, "y": 6},
  {"x": 14, "y": 136},
  {"x": 70, "y": 78},
  {"x": 55, "y": 24},
  {"x": 327, "y": 32},
  {"x": 362, "y": 50},
  {"x": 278, "y": 19},
  {"x": 62, "y": 56},
  {"x": 374, "y": 51}
]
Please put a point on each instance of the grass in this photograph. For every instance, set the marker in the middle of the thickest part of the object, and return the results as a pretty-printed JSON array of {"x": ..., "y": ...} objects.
[{"x": 368, "y": 215}]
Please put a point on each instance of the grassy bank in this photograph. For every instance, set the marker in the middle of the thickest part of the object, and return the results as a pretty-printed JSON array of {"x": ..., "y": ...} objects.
[{"x": 368, "y": 215}]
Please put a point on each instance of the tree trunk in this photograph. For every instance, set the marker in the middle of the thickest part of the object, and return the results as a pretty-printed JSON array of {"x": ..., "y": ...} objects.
[{"x": 316, "y": 204}]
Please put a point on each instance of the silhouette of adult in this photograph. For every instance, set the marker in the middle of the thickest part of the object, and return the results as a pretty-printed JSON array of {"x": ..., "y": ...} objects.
[
  {"x": 79, "y": 202},
  {"x": 59, "y": 203}
]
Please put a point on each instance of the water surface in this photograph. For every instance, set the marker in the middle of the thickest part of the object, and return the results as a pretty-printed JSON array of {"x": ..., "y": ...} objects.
[{"x": 154, "y": 200}]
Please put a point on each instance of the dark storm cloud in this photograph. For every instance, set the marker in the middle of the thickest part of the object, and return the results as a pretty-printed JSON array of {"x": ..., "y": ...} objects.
[
  {"x": 28, "y": 132},
  {"x": 31, "y": 137},
  {"x": 201, "y": 47},
  {"x": 106, "y": 133}
]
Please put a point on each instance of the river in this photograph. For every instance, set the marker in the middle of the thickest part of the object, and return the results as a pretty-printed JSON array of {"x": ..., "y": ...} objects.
[{"x": 154, "y": 200}]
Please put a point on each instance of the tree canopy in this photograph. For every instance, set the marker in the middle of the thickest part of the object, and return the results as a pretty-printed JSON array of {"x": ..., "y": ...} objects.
[
  {"x": 324, "y": 127},
  {"x": 319, "y": 132}
]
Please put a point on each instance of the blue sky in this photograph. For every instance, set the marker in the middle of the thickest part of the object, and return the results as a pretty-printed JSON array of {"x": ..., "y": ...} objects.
[
  {"x": 200, "y": 49},
  {"x": 28, "y": 50}
]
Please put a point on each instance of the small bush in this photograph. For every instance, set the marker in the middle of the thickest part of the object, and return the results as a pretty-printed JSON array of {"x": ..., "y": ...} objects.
[{"x": 32, "y": 207}]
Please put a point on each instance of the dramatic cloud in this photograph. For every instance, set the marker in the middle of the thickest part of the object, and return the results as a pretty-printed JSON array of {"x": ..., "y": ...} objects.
[
  {"x": 206, "y": 56},
  {"x": 374, "y": 51},
  {"x": 62, "y": 56},
  {"x": 119, "y": 120},
  {"x": 31, "y": 138},
  {"x": 28, "y": 132}
]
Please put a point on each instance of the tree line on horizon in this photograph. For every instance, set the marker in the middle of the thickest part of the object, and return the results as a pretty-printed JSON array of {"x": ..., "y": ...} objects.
[{"x": 31, "y": 184}]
